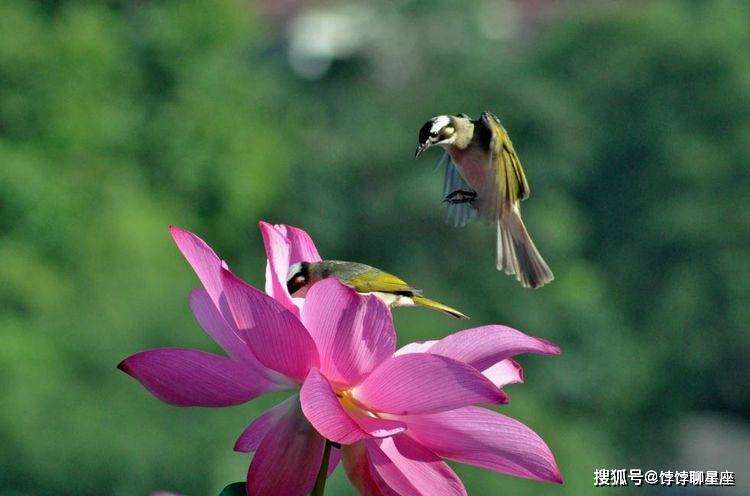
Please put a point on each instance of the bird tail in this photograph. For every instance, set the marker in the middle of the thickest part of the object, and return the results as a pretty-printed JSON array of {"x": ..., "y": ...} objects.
[
  {"x": 516, "y": 253},
  {"x": 421, "y": 301}
]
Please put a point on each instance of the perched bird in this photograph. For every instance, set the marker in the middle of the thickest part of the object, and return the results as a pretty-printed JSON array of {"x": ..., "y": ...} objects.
[
  {"x": 392, "y": 290},
  {"x": 484, "y": 176}
]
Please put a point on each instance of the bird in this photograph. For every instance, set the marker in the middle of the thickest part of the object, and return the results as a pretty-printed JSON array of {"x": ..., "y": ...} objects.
[
  {"x": 364, "y": 279},
  {"x": 484, "y": 178}
]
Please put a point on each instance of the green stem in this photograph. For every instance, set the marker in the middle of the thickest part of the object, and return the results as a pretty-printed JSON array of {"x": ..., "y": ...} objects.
[{"x": 320, "y": 482}]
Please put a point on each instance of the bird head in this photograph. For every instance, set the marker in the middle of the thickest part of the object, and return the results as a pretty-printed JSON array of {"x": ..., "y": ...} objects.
[
  {"x": 297, "y": 277},
  {"x": 441, "y": 130}
]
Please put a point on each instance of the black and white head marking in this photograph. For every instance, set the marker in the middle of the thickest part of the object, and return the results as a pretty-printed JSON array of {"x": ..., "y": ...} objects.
[
  {"x": 438, "y": 130},
  {"x": 297, "y": 277}
]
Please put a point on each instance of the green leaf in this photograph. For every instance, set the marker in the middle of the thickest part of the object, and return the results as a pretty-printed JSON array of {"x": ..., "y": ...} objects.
[{"x": 234, "y": 489}]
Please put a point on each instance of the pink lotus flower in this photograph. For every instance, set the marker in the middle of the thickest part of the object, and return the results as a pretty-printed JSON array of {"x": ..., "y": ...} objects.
[
  {"x": 410, "y": 462},
  {"x": 338, "y": 350}
]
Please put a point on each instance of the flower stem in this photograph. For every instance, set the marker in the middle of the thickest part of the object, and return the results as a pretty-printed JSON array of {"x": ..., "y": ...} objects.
[{"x": 320, "y": 482}]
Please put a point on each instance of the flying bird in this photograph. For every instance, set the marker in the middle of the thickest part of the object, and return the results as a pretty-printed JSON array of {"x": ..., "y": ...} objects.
[
  {"x": 392, "y": 290},
  {"x": 484, "y": 177}
]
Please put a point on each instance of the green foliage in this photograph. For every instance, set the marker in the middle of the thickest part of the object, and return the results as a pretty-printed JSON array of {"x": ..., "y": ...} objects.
[
  {"x": 234, "y": 489},
  {"x": 120, "y": 118}
]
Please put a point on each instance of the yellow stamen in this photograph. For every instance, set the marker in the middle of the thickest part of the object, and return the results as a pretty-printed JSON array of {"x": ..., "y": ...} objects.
[{"x": 351, "y": 405}]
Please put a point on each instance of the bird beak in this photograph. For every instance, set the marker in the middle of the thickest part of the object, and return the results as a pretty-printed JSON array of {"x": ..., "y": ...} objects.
[{"x": 420, "y": 148}]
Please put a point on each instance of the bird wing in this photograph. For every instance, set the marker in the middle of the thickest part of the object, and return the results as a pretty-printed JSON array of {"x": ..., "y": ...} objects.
[
  {"x": 506, "y": 183},
  {"x": 373, "y": 279},
  {"x": 458, "y": 213}
]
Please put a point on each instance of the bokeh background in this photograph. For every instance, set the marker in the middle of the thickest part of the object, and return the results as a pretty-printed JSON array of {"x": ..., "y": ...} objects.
[{"x": 118, "y": 118}]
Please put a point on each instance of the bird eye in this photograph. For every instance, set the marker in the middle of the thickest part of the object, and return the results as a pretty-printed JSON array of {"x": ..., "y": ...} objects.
[{"x": 433, "y": 134}]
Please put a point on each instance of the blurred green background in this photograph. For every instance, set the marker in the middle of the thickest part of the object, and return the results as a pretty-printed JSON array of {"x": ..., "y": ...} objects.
[{"x": 118, "y": 118}]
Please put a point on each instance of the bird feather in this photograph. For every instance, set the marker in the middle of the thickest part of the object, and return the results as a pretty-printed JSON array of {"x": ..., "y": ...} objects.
[
  {"x": 458, "y": 213},
  {"x": 506, "y": 183},
  {"x": 377, "y": 280}
]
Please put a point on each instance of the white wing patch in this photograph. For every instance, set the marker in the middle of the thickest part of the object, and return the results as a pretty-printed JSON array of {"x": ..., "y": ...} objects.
[{"x": 393, "y": 300}]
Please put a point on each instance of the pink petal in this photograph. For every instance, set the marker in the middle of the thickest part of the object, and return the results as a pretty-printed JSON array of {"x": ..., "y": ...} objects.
[
  {"x": 505, "y": 372},
  {"x": 275, "y": 336},
  {"x": 206, "y": 264},
  {"x": 487, "y": 439},
  {"x": 254, "y": 433},
  {"x": 213, "y": 323},
  {"x": 288, "y": 459},
  {"x": 208, "y": 267},
  {"x": 302, "y": 247},
  {"x": 377, "y": 426},
  {"x": 325, "y": 412},
  {"x": 412, "y": 470},
  {"x": 416, "y": 347},
  {"x": 333, "y": 460},
  {"x": 278, "y": 252},
  {"x": 482, "y": 347},
  {"x": 285, "y": 245},
  {"x": 227, "y": 336},
  {"x": 424, "y": 383},
  {"x": 361, "y": 474},
  {"x": 353, "y": 333},
  {"x": 194, "y": 378}
]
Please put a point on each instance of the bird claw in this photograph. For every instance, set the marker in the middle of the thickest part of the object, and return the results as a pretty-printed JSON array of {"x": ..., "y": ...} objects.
[{"x": 460, "y": 196}]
